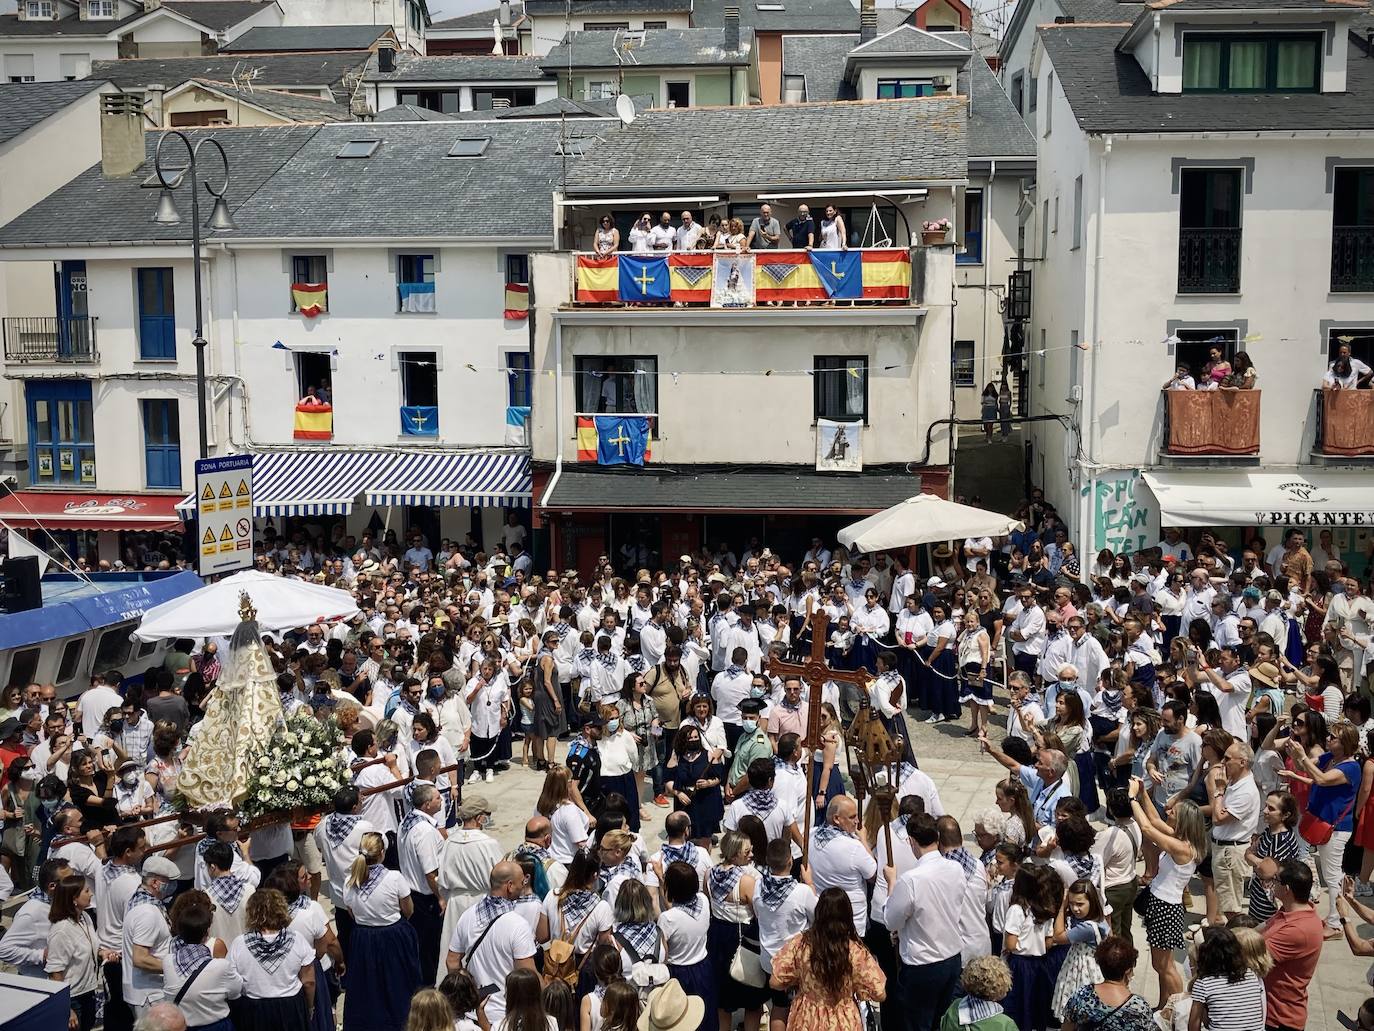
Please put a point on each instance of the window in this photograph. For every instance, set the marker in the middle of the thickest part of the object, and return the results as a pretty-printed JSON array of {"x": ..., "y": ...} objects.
[
  {"x": 606, "y": 26},
  {"x": 313, "y": 369},
  {"x": 793, "y": 89},
  {"x": 19, "y": 67},
  {"x": 678, "y": 94},
  {"x": 1049, "y": 103},
  {"x": 1360, "y": 342},
  {"x": 517, "y": 268},
  {"x": 1054, "y": 224},
  {"x": 601, "y": 89},
  {"x": 204, "y": 117},
  {"x": 413, "y": 10},
  {"x": 900, "y": 89},
  {"x": 486, "y": 99},
  {"x": 23, "y": 666},
  {"x": 61, "y": 432},
  {"x": 1352, "y": 230},
  {"x": 100, "y": 9},
  {"x": 1209, "y": 231},
  {"x": 617, "y": 385},
  {"x": 1077, "y": 213},
  {"x": 1267, "y": 62},
  {"x": 420, "y": 377},
  {"x": 1194, "y": 347},
  {"x": 113, "y": 650},
  {"x": 308, "y": 270},
  {"x": 162, "y": 442},
  {"x": 1075, "y": 360},
  {"x": 444, "y": 101},
  {"x": 841, "y": 387},
  {"x": 518, "y": 379},
  {"x": 1044, "y": 229},
  {"x": 469, "y": 147},
  {"x": 1034, "y": 92},
  {"x": 415, "y": 282},
  {"x": 973, "y": 229},
  {"x": 655, "y": 25},
  {"x": 1018, "y": 84},
  {"x": 964, "y": 364},
  {"x": 71, "y": 656},
  {"x": 1041, "y": 360},
  {"x": 40, "y": 9},
  {"x": 866, "y": 227},
  {"x": 157, "y": 339},
  {"x": 74, "y": 66}
]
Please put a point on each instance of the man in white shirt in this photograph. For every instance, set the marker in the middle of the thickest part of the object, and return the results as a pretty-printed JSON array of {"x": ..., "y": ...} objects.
[
  {"x": 729, "y": 689},
  {"x": 1197, "y": 598},
  {"x": 81, "y": 855},
  {"x": 976, "y": 548},
  {"x": 1346, "y": 372},
  {"x": 1224, "y": 622},
  {"x": 96, "y": 701},
  {"x": 118, "y": 880},
  {"x": 1230, "y": 683},
  {"x": 25, "y": 944},
  {"x": 1027, "y": 633},
  {"x": 1058, "y": 648},
  {"x": 1087, "y": 654},
  {"x": 685, "y": 239},
  {"x": 903, "y": 585},
  {"x": 680, "y": 849},
  {"x": 761, "y": 801},
  {"x": 491, "y": 939},
  {"x": 1174, "y": 544},
  {"x": 744, "y": 635},
  {"x": 377, "y": 799},
  {"x": 840, "y": 858},
  {"x": 653, "y": 635},
  {"x": 1235, "y": 805},
  {"x": 973, "y": 926},
  {"x": 662, "y": 235},
  {"x": 147, "y": 935},
  {"x": 923, "y": 909},
  {"x": 338, "y": 836},
  {"x": 417, "y": 846},
  {"x": 917, "y": 782}
]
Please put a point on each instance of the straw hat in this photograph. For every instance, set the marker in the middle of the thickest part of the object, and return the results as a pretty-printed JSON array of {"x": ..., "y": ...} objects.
[
  {"x": 1266, "y": 673},
  {"x": 671, "y": 1009}
]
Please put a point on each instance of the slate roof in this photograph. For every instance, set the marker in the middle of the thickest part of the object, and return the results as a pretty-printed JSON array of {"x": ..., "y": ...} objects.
[
  {"x": 13, "y": 25},
  {"x": 657, "y": 47},
  {"x": 796, "y": 15},
  {"x": 287, "y": 105},
  {"x": 819, "y": 59},
  {"x": 295, "y": 70},
  {"x": 1109, "y": 92},
  {"x": 24, "y": 104},
  {"x": 475, "y": 20},
  {"x": 459, "y": 68},
  {"x": 994, "y": 127},
  {"x": 891, "y": 17},
  {"x": 743, "y": 148},
  {"x": 706, "y": 487},
  {"x": 1101, "y": 11},
  {"x": 289, "y": 184},
  {"x": 411, "y": 113},
  {"x": 906, "y": 40},
  {"x": 581, "y": 7},
  {"x": 217, "y": 14},
  {"x": 1250, "y": 5},
  {"x": 286, "y": 38}
]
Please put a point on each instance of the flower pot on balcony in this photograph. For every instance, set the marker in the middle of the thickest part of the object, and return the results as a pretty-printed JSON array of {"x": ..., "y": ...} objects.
[{"x": 931, "y": 237}]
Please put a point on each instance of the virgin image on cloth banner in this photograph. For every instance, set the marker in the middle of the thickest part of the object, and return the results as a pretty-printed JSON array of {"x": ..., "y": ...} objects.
[
  {"x": 644, "y": 278},
  {"x": 732, "y": 281},
  {"x": 840, "y": 273}
]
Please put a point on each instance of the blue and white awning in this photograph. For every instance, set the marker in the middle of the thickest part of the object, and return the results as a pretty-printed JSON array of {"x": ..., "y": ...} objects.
[
  {"x": 330, "y": 482},
  {"x": 485, "y": 479}
]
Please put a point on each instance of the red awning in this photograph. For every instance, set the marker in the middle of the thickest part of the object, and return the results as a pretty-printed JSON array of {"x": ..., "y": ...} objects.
[{"x": 84, "y": 510}]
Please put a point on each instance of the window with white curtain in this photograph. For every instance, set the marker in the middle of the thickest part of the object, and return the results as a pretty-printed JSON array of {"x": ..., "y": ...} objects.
[
  {"x": 616, "y": 384},
  {"x": 841, "y": 387}
]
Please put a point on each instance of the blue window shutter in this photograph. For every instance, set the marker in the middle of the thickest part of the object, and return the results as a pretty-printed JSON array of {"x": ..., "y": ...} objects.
[{"x": 156, "y": 314}]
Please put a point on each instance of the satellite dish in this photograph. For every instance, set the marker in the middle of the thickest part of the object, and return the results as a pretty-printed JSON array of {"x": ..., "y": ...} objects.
[{"x": 625, "y": 109}]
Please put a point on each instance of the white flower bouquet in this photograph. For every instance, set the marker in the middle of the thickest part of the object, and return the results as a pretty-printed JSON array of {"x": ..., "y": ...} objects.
[{"x": 300, "y": 768}]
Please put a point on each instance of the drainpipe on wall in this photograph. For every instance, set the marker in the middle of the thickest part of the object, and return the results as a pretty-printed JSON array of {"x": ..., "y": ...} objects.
[
  {"x": 1086, "y": 412},
  {"x": 557, "y": 410},
  {"x": 1154, "y": 75},
  {"x": 986, "y": 255}
]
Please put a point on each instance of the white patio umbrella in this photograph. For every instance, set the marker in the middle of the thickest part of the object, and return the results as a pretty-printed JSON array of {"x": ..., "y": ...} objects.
[
  {"x": 924, "y": 519},
  {"x": 213, "y": 611}
]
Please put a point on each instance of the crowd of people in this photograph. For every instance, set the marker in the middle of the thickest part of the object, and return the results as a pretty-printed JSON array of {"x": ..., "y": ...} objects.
[
  {"x": 764, "y": 232},
  {"x": 1343, "y": 372},
  {"x": 1187, "y": 729}
]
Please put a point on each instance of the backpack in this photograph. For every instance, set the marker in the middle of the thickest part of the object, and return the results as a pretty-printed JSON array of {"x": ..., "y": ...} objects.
[
  {"x": 560, "y": 955},
  {"x": 646, "y": 974}
]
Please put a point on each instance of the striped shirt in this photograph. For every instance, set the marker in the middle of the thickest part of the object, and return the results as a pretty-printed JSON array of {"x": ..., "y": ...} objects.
[
  {"x": 1231, "y": 1005},
  {"x": 1278, "y": 847}
]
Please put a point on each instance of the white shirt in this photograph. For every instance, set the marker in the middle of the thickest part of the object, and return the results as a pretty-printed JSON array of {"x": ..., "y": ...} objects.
[
  {"x": 843, "y": 863},
  {"x": 509, "y": 939},
  {"x": 1233, "y": 703},
  {"x": 918, "y": 782},
  {"x": 599, "y": 919},
  {"x": 72, "y": 951},
  {"x": 23, "y": 944},
  {"x": 94, "y": 704},
  {"x": 466, "y": 859},
  {"x": 378, "y": 809},
  {"x": 419, "y": 853},
  {"x": 82, "y": 859},
  {"x": 570, "y": 832},
  {"x": 1357, "y": 369},
  {"x": 924, "y": 910},
  {"x": 280, "y": 983},
  {"x": 684, "y": 935},
  {"x": 1030, "y": 933},
  {"x": 729, "y": 690},
  {"x": 661, "y": 237},
  {"x": 381, "y": 906},
  {"x": 973, "y": 926},
  {"x": 1029, "y": 622},
  {"x": 145, "y": 925},
  {"x": 902, "y": 588},
  {"x": 793, "y": 915},
  {"x": 1243, "y": 806},
  {"x": 486, "y": 704},
  {"x": 207, "y": 1000},
  {"x": 686, "y": 236},
  {"x": 338, "y": 858},
  {"x": 639, "y": 244},
  {"x": 983, "y": 543},
  {"x": 112, "y": 896},
  {"x": 775, "y": 823}
]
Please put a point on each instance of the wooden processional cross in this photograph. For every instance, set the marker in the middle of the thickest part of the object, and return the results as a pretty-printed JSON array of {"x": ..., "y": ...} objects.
[{"x": 814, "y": 672}]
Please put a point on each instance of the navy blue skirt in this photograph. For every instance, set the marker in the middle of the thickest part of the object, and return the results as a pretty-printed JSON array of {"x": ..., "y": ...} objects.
[
  {"x": 943, "y": 690},
  {"x": 624, "y": 786},
  {"x": 287, "y": 1014},
  {"x": 723, "y": 941},
  {"x": 1087, "y": 780},
  {"x": 699, "y": 979},
  {"x": 864, "y": 654},
  {"x": 1032, "y": 989},
  {"x": 383, "y": 973},
  {"x": 323, "y": 1017},
  {"x": 220, "y": 1025},
  {"x": 923, "y": 678}
]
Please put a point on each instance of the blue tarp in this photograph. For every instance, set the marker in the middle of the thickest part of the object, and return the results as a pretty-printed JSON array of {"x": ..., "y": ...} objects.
[{"x": 71, "y": 606}]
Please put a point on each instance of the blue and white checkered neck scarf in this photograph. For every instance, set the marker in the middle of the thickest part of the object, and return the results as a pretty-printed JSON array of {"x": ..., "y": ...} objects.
[
  {"x": 338, "y": 826},
  {"x": 577, "y": 904},
  {"x": 987, "y": 856},
  {"x": 300, "y": 905},
  {"x": 203, "y": 844},
  {"x": 643, "y": 938},
  {"x": 972, "y": 1010},
  {"x": 1081, "y": 864},
  {"x": 144, "y": 897},
  {"x": 39, "y": 895},
  {"x": 637, "y": 663},
  {"x": 491, "y": 908},
  {"x": 960, "y": 855},
  {"x": 269, "y": 952},
  {"x": 628, "y": 867},
  {"x": 828, "y": 832},
  {"x": 773, "y": 891},
  {"x": 413, "y": 819},
  {"x": 187, "y": 956},
  {"x": 684, "y": 853},
  {"x": 891, "y": 676},
  {"x": 723, "y": 880},
  {"x": 760, "y": 801},
  {"x": 692, "y": 905},
  {"x": 586, "y": 654},
  {"x": 607, "y": 659},
  {"x": 562, "y": 629},
  {"x": 734, "y": 671},
  {"x": 111, "y": 870},
  {"x": 370, "y": 882},
  {"x": 538, "y": 852},
  {"x": 227, "y": 891}
]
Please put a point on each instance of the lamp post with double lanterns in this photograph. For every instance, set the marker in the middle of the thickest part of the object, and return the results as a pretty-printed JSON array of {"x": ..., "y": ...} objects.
[{"x": 171, "y": 179}]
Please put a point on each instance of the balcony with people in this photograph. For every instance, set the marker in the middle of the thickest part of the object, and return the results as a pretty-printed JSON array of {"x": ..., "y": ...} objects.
[
  {"x": 1215, "y": 414},
  {"x": 1344, "y": 409}
]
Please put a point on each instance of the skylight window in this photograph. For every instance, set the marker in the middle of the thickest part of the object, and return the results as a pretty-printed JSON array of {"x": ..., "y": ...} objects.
[
  {"x": 574, "y": 146},
  {"x": 359, "y": 149},
  {"x": 469, "y": 147},
  {"x": 769, "y": 7}
]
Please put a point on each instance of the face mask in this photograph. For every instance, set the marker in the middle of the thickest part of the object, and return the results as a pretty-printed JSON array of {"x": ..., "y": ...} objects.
[
  {"x": 749, "y": 725},
  {"x": 755, "y": 692},
  {"x": 435, "y": 693},
  {"x": 51, "y": 805},
  {"x": 129, "y": 779},
  {"x": 116, "y": 726},
  {"x": 168, "y": 890},
  {"x": 612, "y": 726}
]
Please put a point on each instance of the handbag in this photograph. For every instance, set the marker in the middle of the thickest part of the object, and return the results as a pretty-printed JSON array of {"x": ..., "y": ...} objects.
[
  {"x": 745, "y": 966},
  {"x": 1315, "y": 830},
  {"x": 1141, "y": 902}
]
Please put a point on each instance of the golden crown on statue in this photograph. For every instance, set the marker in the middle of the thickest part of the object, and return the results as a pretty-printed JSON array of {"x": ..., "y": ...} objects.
[{"x": 247, "y": 612}]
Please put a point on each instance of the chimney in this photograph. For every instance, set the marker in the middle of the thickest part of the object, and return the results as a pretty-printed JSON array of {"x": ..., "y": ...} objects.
[
  {"x": 157, "y": 93},
  {"x": 732, "y": 26},
  {"x": 868, "y": 21},
  {"x": 504, "y": 14},
  {"x": 122, "y": 150}
]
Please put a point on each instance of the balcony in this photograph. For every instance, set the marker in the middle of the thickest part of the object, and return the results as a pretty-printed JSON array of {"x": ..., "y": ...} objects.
[
  {"x": 723, "y": 279},
  {"x": 1345, "y": 423},
  {"x": 46, "y": 338},
  {"x": 1352, "y": 259},
  {"x": 1198, "y": 423},
  {"x": 1209, "y": 260}
]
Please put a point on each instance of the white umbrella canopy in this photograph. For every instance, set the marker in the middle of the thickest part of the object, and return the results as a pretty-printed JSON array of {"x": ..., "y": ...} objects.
[
  {"x": 213, "y": 611},
  {"x": 924, "y": 519}
]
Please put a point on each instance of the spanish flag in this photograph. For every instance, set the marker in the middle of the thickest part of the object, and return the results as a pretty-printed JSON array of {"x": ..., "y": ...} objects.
[
  {"x": 689, "y": 277},
  {"x": 310, "y": 298},
  {"x": 598, "y": 279},
  {"x": 517, "y": 302},
  {"x": 314, "y": 422},
  {"x": 786, "y": 276},
  {"x": 588, "y": 449},
  {"x": 887, "y": 274}
]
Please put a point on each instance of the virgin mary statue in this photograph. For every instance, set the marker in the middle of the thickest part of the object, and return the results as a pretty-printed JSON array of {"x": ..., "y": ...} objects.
[{"x": 240, "y": 716}]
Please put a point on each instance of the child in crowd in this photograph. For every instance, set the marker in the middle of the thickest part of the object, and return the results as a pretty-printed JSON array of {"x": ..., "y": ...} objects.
[
  {"x": 1081, "y": 925},
  {"x": 1277, "y": 842},
  {"x": 1034, "y": 961}
]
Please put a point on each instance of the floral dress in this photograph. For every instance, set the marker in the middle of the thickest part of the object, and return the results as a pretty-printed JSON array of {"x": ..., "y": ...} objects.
[{"x": 811, "y": 1010}]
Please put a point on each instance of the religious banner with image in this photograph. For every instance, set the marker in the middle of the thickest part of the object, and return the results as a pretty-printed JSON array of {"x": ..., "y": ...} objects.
[
  {"x": 732, "y": 281},
  {"x": 839, "y": 446}
]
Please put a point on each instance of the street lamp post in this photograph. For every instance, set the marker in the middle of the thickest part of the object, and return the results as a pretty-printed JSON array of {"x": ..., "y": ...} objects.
[{"x": 220, "y": 218}]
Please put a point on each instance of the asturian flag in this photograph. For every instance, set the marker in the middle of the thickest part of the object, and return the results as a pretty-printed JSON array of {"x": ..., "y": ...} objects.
[
  {"x": 588, "y": 439},
  {"x": 840, "y": 273},
  {"x": 621, "y": 439},
  {"x": 644, "y": 278}
]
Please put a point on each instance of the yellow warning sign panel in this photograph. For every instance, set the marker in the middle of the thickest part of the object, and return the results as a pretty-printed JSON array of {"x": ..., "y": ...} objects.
[
  {"x": 207, "y": 499},
  {"x": 243, "y": 497},
  {"x": 209, "y": 537},
  {"x": 224, "y": 507}
]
